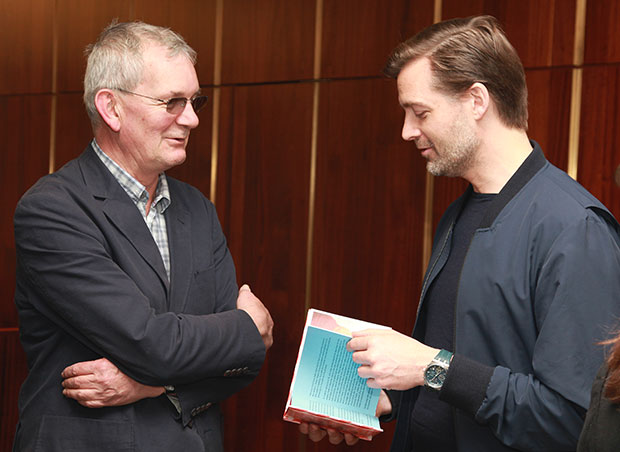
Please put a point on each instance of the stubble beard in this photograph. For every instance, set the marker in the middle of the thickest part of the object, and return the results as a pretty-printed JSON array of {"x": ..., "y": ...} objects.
[{"x": 457, "y": 152}]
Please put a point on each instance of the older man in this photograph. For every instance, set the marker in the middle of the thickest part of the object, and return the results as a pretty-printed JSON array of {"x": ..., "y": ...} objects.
[
  {"x": 524, "y": 274},
  {"x": 127, "y": 297}
]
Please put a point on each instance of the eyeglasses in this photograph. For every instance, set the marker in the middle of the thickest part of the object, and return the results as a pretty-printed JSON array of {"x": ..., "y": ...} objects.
[{"x": 176, "y": 105}]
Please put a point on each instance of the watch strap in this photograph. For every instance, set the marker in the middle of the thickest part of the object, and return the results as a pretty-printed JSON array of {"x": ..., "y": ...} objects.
[{"x": 444, "y": 356}]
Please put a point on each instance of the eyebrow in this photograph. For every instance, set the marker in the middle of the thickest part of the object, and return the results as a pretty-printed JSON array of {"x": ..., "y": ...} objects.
[{"x": 414, "y": 104}]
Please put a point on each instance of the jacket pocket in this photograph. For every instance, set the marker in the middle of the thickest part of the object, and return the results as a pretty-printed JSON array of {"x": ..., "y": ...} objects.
[
  {"x": 202, "y": 290},
  {"x": 73, "y": 434}
]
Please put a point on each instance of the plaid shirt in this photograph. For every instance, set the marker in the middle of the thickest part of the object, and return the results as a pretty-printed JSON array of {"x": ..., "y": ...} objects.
[{"x": 139, "y": 195}]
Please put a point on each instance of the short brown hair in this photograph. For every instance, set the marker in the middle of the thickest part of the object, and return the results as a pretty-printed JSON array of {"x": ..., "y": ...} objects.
[{"x": 466, "y": 51}]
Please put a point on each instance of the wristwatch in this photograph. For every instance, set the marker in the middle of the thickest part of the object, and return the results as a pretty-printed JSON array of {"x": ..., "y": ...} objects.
[{"x": 435, "y": 372}]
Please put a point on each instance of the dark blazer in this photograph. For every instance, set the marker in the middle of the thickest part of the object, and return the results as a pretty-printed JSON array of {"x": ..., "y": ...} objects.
[
  {"x": 601, "y": 430},
  {"x": 91, "y": 283}
]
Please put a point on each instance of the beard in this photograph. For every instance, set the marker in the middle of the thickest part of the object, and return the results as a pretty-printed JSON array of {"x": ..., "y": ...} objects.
[{"x": 454, "y": 153}]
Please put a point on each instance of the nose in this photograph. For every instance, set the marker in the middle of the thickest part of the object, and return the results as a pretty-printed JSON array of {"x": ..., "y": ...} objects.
[
  {"x": 188, "y": 117},
  {"x": 410, "y": 128}
]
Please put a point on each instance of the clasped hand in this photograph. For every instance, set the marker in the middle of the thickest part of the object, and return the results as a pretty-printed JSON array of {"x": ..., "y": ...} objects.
[{"x": 99, "y": 383}]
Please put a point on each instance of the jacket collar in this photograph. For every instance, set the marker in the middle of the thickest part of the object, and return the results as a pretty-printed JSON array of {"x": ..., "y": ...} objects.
[
  {"x": 120, "y": 210},
  {"x": 528, "y": 169},
  {"x": 532, "y": 164}
]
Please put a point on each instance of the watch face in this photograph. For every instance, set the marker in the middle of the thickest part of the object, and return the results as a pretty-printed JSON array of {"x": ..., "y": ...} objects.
[{"x": 434, "y": 376}]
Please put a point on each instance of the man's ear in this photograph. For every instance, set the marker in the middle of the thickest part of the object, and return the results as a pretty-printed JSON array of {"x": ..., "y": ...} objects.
[
  {"x": 108, "y": 108},
  {"x": 479, "y": 98}
]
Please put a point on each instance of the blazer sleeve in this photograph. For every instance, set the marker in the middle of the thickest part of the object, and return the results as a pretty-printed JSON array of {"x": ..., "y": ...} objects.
[{"x": 70, "y": 274}]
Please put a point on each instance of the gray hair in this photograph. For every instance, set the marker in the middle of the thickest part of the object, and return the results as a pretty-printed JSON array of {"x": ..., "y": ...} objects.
[{"x": 115, "y": 59}]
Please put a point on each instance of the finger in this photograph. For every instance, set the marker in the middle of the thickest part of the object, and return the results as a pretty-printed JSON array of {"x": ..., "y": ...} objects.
[
  {"x": 79, "y": 382},
  {"x": 245, "y": 288},
  {"x": 361, "y": 357},
  {"x": 350, "y": 439},
  {"x": 334, "y": 436},
  {"x": 81, "y": 368},
  {"x": 303, "y": 428},
  {"x": 81, "y": 395},
  {"x": 373, "y": 383},
  {"x": 316, "y": 433},
  {"x": 357, "y": 344}
]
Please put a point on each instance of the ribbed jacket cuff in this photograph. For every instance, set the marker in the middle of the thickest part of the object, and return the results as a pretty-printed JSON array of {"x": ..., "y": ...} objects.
[{"x": 466, "y": 384}]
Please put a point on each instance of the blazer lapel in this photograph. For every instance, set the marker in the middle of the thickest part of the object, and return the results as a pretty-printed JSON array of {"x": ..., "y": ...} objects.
[
  {"x": 121, "y": 211},
  {"x": 179, "y": 233}
]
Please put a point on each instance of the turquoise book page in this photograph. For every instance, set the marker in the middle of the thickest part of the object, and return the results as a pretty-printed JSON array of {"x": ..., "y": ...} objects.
[{"x": 327, "y": 382}]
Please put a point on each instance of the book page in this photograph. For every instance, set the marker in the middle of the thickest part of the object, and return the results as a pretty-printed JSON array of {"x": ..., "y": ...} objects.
[{"x": 327, "y": 382}]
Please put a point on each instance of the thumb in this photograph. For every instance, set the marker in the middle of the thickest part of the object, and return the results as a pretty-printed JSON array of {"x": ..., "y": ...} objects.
[{"x": 245, "y": 287}]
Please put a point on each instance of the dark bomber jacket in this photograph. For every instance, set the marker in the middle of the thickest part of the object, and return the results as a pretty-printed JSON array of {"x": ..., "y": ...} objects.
[{"x": 538, "y": 289}]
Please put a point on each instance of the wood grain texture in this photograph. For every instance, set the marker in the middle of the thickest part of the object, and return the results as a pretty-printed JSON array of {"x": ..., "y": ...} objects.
[
  {"x": 12, "y": 374},
  {"x": 26, "y": 46},
  {"x": 359, "y": 35},
  {"x": 369, "y": 206},
  {"x": 24, "y": 125},
  {"x": 549, "y": 94},
  {"x": 602, "y": 40},
  {"x": 262, "y": 202},
  {"x": 541, "y": 32},
  {"x": 599, "y": 138},
  {"x": 267, "y": 41}
]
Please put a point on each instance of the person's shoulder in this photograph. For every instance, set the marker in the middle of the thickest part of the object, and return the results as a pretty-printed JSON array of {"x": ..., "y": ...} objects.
[
  {"x": 53, "y": 185},
  {"x": 558, "y": 192}
]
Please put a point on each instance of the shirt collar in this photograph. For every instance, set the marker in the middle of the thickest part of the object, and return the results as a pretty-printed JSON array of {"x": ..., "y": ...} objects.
[{"x": 136, "y": 191}]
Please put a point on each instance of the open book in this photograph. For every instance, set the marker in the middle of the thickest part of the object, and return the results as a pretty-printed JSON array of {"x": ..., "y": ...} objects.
[{"x": 326, "y": 389}]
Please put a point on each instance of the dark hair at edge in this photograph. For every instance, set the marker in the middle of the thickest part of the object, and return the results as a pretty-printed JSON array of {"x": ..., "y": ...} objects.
[{"x": 465, "y": 51}]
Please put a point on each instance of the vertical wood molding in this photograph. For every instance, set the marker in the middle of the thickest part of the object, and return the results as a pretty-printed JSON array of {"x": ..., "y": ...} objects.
[
  {"x": 318, "y": 41},
  {"x": 427, "y": 239},
  {"x": 577, "y": 84},
  {"x": 54, "y": 88},
  {"x": 217, "y": 81}
]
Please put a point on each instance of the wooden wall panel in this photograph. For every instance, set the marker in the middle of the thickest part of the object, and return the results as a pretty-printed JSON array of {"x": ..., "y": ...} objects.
[
  {"x": 358, "y": 35},
  {"x": 192, "y": 19},
  {"x": 602, "y": 42},
  {"x": 13, "y": 370},
  {"x": 599, "y": 143},
  {"x": 197, "y": 167},
  {"x": 542, "y": 32},
  {"x": 267, "y": 40},
  {"x": 369, "y": 206},
  {"x": 549, "y": 112},
  {"x": 24, "y": 126},
  {"x": 73, "y": 129},
  {"x": 79, "y": 24},
  {"x": 262, "y": 200},
  {"x": 26, "y": 46}
]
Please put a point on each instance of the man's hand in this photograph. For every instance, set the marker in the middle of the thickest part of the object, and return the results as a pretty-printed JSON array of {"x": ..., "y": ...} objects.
[
  {"x": 248, "y": 302},
  {"x": 389, "y": 359},
  {"x": 99, "y": 383},
  {"x": 316, "y": 433}
]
